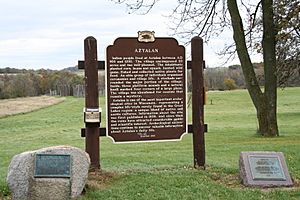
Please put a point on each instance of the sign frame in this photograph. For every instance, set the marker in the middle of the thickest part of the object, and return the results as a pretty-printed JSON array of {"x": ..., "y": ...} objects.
[{"x": 92, "y": 131}]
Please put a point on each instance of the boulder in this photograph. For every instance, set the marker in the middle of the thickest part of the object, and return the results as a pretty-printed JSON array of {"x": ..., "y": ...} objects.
[{"x": 24, "y": 185}]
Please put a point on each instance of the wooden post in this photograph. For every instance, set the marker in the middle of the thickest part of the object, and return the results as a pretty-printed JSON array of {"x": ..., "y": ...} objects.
[
  {"x": 198, "y": 102},
  {"x": 91, "y": 99}
]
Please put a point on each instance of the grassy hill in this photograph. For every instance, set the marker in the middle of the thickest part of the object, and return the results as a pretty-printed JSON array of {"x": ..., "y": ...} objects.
[{"x": 164, "y": 170}]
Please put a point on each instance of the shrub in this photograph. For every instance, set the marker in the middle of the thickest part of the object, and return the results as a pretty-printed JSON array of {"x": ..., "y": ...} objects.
[{"x": 229, "y": 84}]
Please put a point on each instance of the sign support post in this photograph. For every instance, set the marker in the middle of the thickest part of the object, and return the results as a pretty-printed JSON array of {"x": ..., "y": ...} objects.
[
  {"x": 92, "y": 145},
  {"x": 198, "y": 102},
  {"x": 135, "y": 73}
]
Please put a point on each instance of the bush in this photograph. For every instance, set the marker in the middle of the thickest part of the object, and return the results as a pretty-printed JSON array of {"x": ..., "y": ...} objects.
[{"x": 229, "y": 84}]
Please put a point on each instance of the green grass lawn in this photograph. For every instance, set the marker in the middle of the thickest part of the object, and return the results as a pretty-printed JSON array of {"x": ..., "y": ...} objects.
[{"x": 164, "y": 170}]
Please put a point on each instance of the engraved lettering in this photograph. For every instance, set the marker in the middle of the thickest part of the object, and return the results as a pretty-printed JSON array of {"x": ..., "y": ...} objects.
[
  {"x": 141, "y": 50},
  {"x": 146, "y": 92}
]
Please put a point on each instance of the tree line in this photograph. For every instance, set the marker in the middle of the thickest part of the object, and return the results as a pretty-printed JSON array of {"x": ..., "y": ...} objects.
[
  {"x": 22, "y": 83},
  {"x": 230, "y": 78},
  {"x": 70, "y": 82}
]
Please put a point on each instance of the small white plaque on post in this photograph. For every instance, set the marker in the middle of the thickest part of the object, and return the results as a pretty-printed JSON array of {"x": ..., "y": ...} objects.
[{"x": 92, "y": 115}]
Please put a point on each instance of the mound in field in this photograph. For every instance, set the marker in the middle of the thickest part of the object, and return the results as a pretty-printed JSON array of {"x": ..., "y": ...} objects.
[{"x": 27, "y": 104}]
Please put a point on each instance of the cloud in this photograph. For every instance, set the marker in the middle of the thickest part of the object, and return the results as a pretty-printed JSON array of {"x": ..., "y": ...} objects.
[{"x": 50, "y": 33}]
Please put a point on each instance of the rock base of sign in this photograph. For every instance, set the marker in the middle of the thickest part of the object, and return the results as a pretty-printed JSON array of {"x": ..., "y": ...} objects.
[
  {"x": 24, "y": 185},
  {"x": 264, "y": 169}
]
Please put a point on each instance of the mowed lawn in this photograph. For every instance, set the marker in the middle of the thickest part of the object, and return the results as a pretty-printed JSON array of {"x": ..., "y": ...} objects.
[{"x": 164, "y": 170}]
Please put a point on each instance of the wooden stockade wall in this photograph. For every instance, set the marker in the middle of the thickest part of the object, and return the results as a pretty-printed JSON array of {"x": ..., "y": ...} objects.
[
  {"x": 62, "y": 90},
  {"x": 78, "y": 91},
  {"x": 69, "y": 90}
]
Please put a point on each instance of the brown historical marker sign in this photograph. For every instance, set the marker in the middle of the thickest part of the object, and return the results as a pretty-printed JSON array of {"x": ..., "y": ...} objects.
[{"x": 146, "y": 89}]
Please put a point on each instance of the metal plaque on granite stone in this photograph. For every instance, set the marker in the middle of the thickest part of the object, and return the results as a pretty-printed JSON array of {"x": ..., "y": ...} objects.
[
  {"x": 52, "y": 166},
  {"x": 264, "y": 169}
]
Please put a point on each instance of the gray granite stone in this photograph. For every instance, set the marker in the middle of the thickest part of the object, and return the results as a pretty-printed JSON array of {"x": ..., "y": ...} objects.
[
  {"x": 24, "y": 185},
  {"x": 49, "y": 189},
  {"x": 264, "y": 169},
  {"x": 19, "y": 173}
]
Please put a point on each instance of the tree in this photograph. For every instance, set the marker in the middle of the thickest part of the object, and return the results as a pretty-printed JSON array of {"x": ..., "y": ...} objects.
[
  {"x": 214, "y": 78},
  {"x": 287, "y": 20},
  {"x": 235, "y": 72},
  {"x": 229, "y": 84},
  {"x": 210, "y": 17},
  {"x": 264, "y": 102}
]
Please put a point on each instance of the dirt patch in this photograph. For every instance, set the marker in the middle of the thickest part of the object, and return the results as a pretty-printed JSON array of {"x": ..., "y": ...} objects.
[
  {"x": 232, "y": 180},
  {"x": 98, "y": 180},
  {"x": 27, "y": 104}
]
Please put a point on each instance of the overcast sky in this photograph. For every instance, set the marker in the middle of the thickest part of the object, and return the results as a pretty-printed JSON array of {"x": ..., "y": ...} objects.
[{"x": 50, "y": 33}]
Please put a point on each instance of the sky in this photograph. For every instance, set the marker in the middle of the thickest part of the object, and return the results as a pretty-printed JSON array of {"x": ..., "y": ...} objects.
[{"x": 49, "y": 34}]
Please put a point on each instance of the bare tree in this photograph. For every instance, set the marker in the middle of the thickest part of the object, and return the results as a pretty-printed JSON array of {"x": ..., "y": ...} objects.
[
  {"x": 264, "y": 102},
  {"x": 256, "y": 31}
]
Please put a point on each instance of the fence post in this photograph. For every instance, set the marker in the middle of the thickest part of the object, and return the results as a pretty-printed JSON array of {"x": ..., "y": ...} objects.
[
  {"x": 198, "y": 102},
  {"x": 92, "y": 145}
]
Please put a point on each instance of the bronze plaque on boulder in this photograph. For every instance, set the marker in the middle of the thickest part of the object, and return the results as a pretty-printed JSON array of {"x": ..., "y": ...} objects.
[
  {"x": 264, "y": 169},
  {"x": 52, "y": 166},
  {"x": 146, "y": 90}
]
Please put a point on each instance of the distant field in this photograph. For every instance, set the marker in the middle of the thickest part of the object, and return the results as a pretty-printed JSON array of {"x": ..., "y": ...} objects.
[
  {"x": 165, "y": 170},
  {"x": 26, "y": 104}
]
